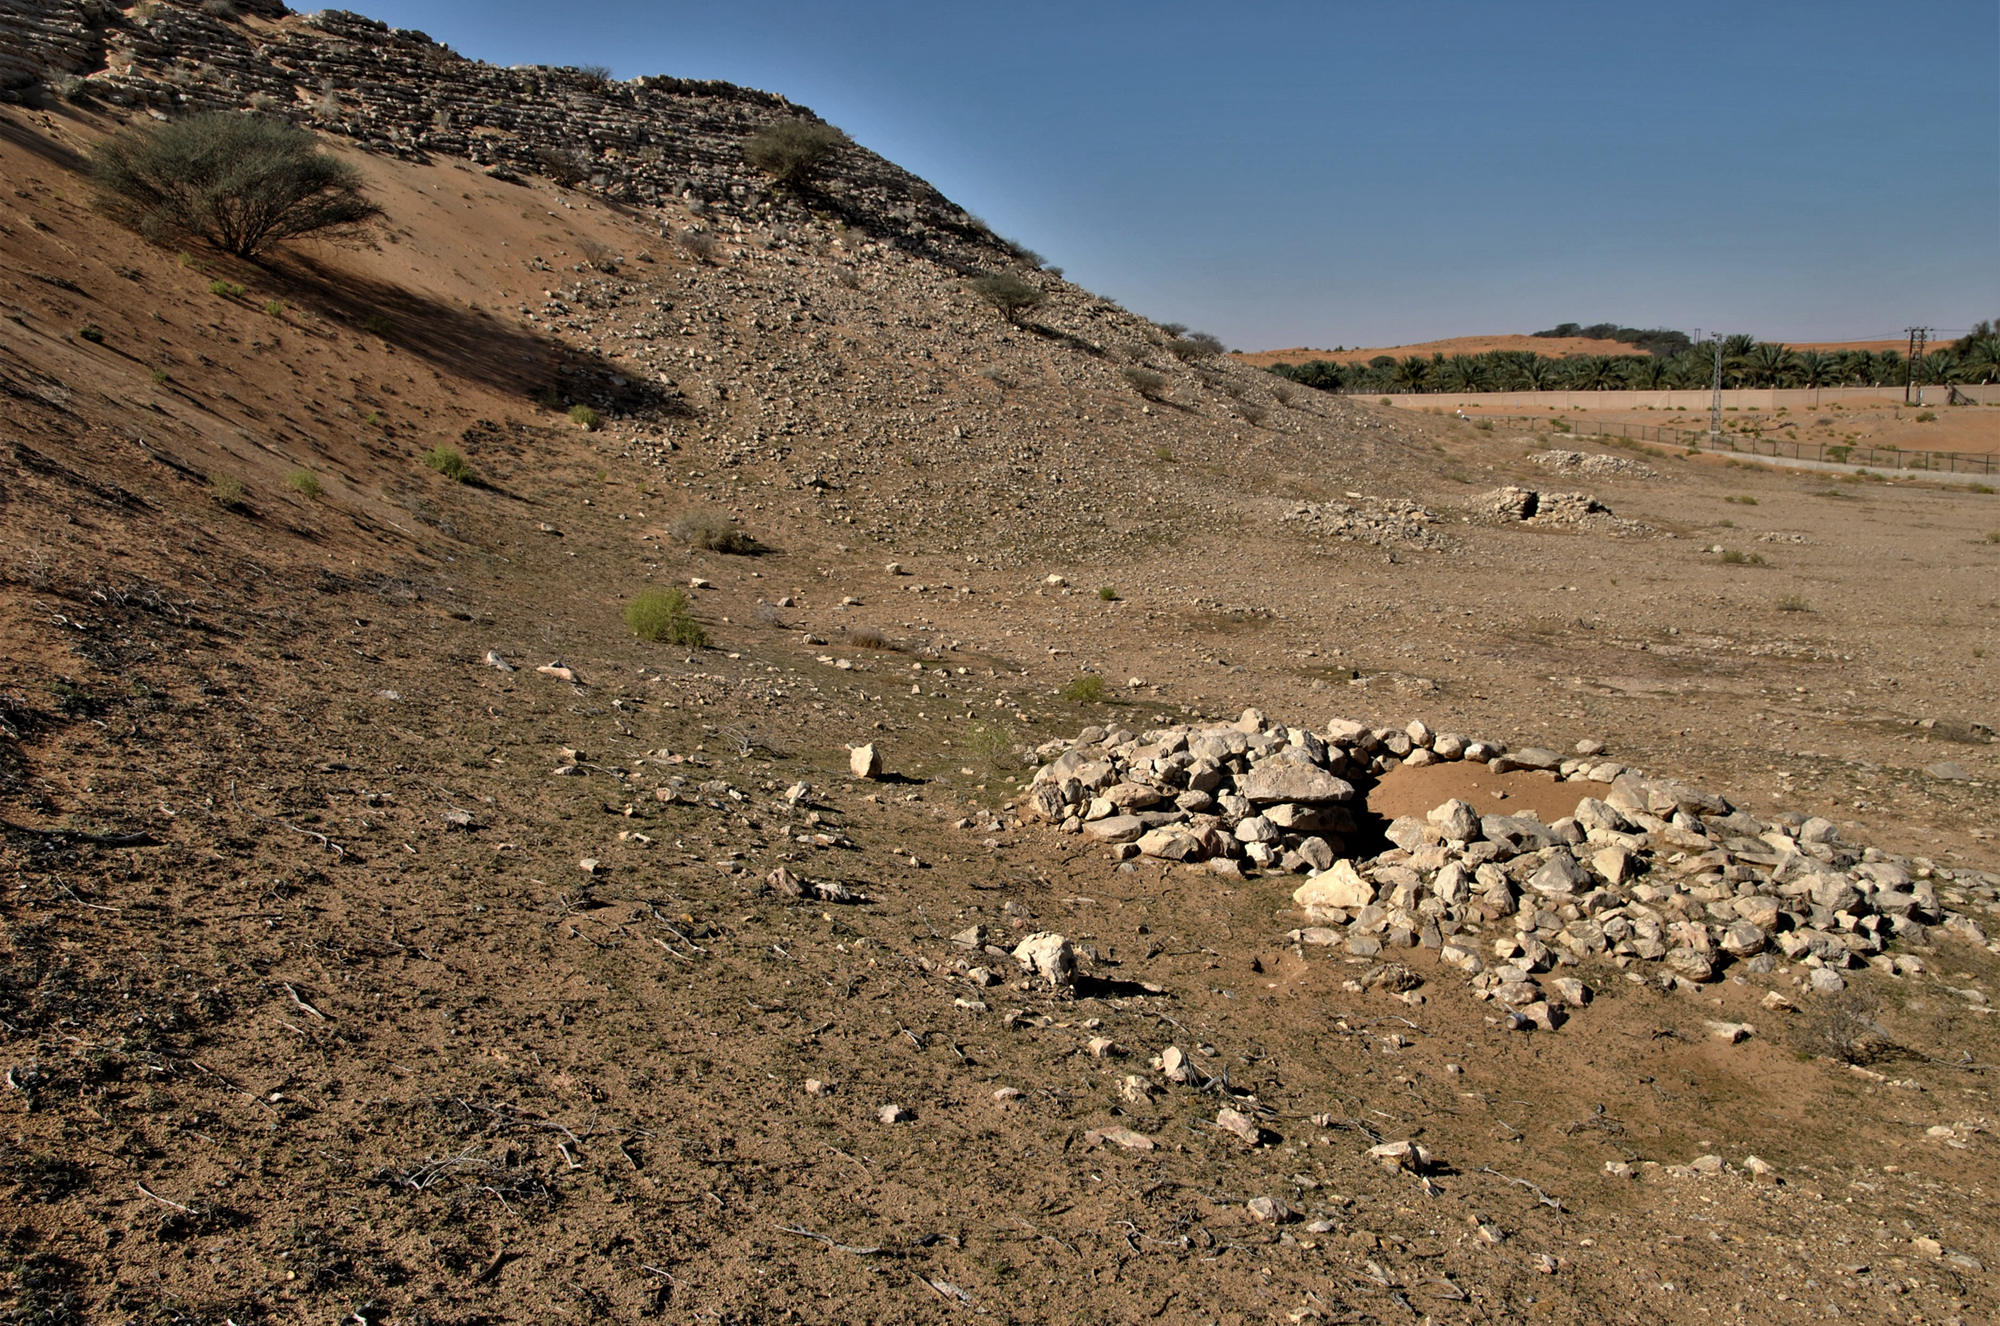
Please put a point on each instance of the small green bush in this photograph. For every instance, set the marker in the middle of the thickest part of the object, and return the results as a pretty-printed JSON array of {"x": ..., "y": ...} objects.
[
  {"x": 1926, "y": 416},
  {"x": 1794, "y": 603},
  {"x": 701, "y": 530},
  {"x": 226, "y": 490},
  {"x": 91, "y": 332},
  {"x": 378, "y": 323},
  {"x": 1742, "y": 501},
  {"x": 1008, "y": 294},
  {"x": 1107, "y": 593},
  {"x": 1084, "y": 688},
  {"x": 992, "y": 745},
  {"x": 275, "y": 307},
  {"x": 239, "y": 182},
  {"x": 447, "y": 461},
  {"x": 1993, "y": 536},
  {"x": 792, "y": 151},
  {"x": 1164, "y": 453},
  {"x": 664, "y": 615},
  {"x": 1144, "y": 381},
  {"x": 303, "y": 482},
  {"x": 1735, "y": 558},
  {"x": 159, "y": 376},
  {"x": 1979, "y": 488},
  {"x": 227, "y": 289},
  {"x": 585, "y": 417}
]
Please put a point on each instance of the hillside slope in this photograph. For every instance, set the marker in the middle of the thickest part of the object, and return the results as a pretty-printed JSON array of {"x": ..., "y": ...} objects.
[{"x": 393, "y": 936}]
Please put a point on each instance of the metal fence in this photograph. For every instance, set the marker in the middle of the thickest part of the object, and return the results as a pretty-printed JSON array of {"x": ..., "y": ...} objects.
[{"x": 1743, "y": 444}]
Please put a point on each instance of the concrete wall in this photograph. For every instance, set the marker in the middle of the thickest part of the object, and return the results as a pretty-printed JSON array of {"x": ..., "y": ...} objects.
[{"x": 1753, "y": 398}]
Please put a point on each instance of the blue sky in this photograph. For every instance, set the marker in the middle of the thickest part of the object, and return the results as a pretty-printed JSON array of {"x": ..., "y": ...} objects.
[{"x": 1287, "y": 174}]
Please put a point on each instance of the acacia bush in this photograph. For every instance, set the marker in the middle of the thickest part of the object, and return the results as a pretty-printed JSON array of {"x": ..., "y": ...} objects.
[
  {"x": 239, "y": 182},
  {"x": 1009, "y": 294},
  {"x": 792, "y": 151},
  {"x": 664, "y": 615},
  {"x": 1144, "y": 381}
]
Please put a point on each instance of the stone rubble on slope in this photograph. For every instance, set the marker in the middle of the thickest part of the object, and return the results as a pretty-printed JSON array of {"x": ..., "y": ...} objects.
[
  {"x": 1583, "y": 462},
  {"x": 1647, "y": 870},
  {"x": 1578, "y": 510},
  {"x": 1380, "y": 521}
]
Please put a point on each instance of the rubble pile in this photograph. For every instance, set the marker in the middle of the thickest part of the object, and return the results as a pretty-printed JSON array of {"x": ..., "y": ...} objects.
[{"x": 1646, "y": 871}]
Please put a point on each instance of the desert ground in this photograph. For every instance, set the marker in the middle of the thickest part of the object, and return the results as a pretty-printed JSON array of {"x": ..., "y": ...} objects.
[
  {"x": 1878, "y": 422},
  {"x": 391, "y": 936}
]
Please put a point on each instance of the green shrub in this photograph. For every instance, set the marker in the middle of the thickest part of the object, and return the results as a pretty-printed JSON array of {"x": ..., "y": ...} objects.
[
  {"x": 992, "y": 745},
  {"x": 227, "y": 289},
  {"x": 1736, "y": 558},
  {"x": 1742, "y": 501},
  {"x": 447, "y": 461},
  {"x": 1794, "y": 603},
  {"x": 1107, "y": 593},
  {"x": 585, "y": 417},
  {"x": 664, "y": 615},
  {"x": 378, "y": 323},
  {"x": 274, "y": 307},
  {"x": 225, "y": 490},
  {"x": 91, "y": 332},
  {"x": 303, "y": 482},
  {"x": 1008, "y": 294},
  {"x": 239, "y": 182},
  {"x": 1084, "y": 688},
  {"x": 1164, "y": 453},
  {"x": 159, "y": 376},
  {"x": 1926, "y": 416},
  {"x": 1144, "y": 381},
  {"x": 1993, "y": 536},
  {"x": 699, "y": 529},
  {"x": 792, "y": 151}
]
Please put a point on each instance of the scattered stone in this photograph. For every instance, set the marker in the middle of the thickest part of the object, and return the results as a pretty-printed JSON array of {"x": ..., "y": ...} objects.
[
  {"x": 1707, "y": 1164},
  {"x": 815, "y": 1087},
  {"x": 1119, "y": 1135},
  {"x": 1047, "y": 956},
  {"x": 496, "y": 662},
  {"x": 1103, "y": 1047},
  {"x": 1008, "y": 1095},
  {"x": 1618, "y": 1169},
  {"x": 1238, "y": 1125},
  {"x": 1268, "y": 1210},
  {"x": 588, "y": 865},
  {"x": 1732, "y": 1032},
  {"x": 865, "y": 761},
  {"x": 1949, "y": 771},
  {"x": 1134, "y": 1090},
  {"x": 1825, "y": 980},
  {"x": 1402, "y": 1155},
  {"x": 892, "y": 1114}
]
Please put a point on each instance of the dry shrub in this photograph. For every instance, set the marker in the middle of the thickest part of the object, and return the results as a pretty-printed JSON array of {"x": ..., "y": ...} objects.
[{"x": 699, "y": 529}]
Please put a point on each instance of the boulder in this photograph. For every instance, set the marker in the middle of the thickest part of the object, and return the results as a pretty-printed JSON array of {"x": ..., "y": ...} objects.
[
  {"x": 1047, "y": 956},
  {"x": 1293, "y": 782},
  {"x": 865, "y": 761},
  {"x": 1116, "y": 829},
  {"x": 1338, "y": 886},
  {"x": 1560, "y": 875},
  {"x": 1170, "y": 845},
  {"x": 1457, "y": 820}
]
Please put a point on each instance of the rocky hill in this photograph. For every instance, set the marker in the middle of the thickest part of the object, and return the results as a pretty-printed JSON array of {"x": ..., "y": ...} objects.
[{"x": 393, "y": 934}]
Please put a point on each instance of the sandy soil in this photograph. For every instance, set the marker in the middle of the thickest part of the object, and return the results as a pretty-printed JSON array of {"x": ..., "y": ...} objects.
[
  {"x": 311, "y": 1009},
  {"x": 1865, "y": 422}
]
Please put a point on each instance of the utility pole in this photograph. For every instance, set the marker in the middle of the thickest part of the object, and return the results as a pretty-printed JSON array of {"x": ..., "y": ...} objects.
[
  {"x": 1715, "y": 396},
  {"x": 1919, "y": 337}
]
